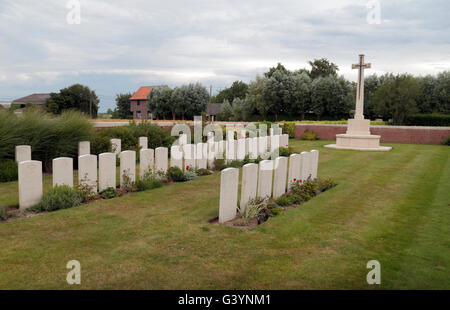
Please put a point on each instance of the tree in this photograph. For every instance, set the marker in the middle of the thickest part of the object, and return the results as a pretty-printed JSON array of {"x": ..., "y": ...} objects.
[
  {"x": 75, "y": 97},
  {"x": 279, "y": 67},
  {"x": 301, "y": 97},
  {"x": 161, "y": 104},
  {"x": 238, "y": 89},
  {"x": 257, "y": 95},
  {"x": 427, "y": 102},
  {"x": 279, "y": 92},
  {"x": 442, "y": 92},
  {"x": 123, "y": 106},
  {"x": 227, "y": 111},
  {"x": 322, "y": 68},
  {"x": 397, "y": 99},
  {"x": 190, "y": 100}
]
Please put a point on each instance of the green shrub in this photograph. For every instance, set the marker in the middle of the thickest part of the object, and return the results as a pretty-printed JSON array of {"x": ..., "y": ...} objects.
[
  {"x": 306, "y": 190},
  {"x": 49, "y": 136},
  {"x": 176, "y": 174},
  {"x": 284, "y": 152},
  {"x": 219, "y": 164},
  {"x": 202, "y": 172},
  {"x": 309, "y": 135},
  {"x": 446, "y": 141},
  {"x": 296, "y": 199},
  {"x": 85, "y": 191},
  {"x": 429, "y": 120},
  {"x": 324, "y": 185},
  {"x": 109, "y": 193},
  {"x": 284, "y": 201},
  {"x": 149, "y": 181},
  {"x": 274, "y": 210},
  {"x": 3, "y": 213},
  {"x": 289, "y": 128},
  {"x": 8, "y": 171},
  {"x": 235, "y": 164},
  {"x": 190, "y": 175},
  {"x": 58, "y": 197}
]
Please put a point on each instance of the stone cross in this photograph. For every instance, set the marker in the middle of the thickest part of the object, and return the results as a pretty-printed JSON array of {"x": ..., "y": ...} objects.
[{"x": 359, "y": 112}]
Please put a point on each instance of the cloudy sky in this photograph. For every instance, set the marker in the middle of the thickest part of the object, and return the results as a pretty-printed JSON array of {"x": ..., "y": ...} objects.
[{"x": 120, "y": 45}]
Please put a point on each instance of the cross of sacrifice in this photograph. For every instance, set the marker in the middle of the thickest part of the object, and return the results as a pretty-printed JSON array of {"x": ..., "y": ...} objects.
[{"x": 359, "y": 112}]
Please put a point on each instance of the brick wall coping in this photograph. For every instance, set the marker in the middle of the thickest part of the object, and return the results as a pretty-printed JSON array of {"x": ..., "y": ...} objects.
[{"x": 379, "y": 126}]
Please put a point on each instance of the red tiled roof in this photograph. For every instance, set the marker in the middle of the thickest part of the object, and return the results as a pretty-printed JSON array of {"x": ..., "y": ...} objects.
[{"x": 142, "y": 93}]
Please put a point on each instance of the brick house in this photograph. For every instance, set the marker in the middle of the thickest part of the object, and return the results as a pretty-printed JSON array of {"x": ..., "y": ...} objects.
[{"x": 138, "y": 103}]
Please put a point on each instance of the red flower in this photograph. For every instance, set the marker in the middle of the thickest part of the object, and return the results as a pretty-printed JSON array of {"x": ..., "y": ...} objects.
[
  {"x": 301, "y": 181},
  {"x": 295, "y": 180},
  {"x": 187, "y": 167}
]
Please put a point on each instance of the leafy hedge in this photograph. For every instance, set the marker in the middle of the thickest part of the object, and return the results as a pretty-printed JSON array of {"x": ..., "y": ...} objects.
[
  {"x": 429, "y": 120},
  {"x": 8, "y": 171}
]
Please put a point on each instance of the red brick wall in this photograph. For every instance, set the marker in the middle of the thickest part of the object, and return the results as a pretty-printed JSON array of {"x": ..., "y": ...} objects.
[
  {"x": 142, "y": 107},
  {"x": 395, "y": 134}
]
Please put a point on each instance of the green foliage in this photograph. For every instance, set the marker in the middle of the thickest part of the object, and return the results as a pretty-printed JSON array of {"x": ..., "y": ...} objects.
[
  {"x": 238, "y": 89},
  {"x": 309, "y": 135},
  {"x": 176, "y": 174},
  {"x": 397, "y": 99},
  {"x": 149, "y": 181},
  {"x": 190, "y": 174},
  {"x": 75, "y": 97},
  {"x": 284, "y": 201},
  {"x": 123, "y": 106},
  {"x": 3, "y": 213},
  {"x": 305, "y": 190},
  {"x": 109, "y": 193},
  {"x": 49, "y": 137},
  {"x": 289, "y": 128},
  {"x": 274, "y": 210},
  {"x": 255, "y": 207},
  {"x": 428, "y": 120},
  {"x": 446, "y": 141},
  {"x": 226, "y": 113},
  {"x": 85, "y": 191},
  {"x": 161, "y": 104},
  {"x": 322, "y": 68},
  {"x": 282, "y": 151},
  {"x": 324, "y": 185},
  {"x": 58, "y": 197},
  {"x": 190, "y": 100},
  {"x": 202, "y": 172},
  {"x": 128, "y": 185},
  {"x": 8, "y": 171},
  {"x": 219, "y": 164}
]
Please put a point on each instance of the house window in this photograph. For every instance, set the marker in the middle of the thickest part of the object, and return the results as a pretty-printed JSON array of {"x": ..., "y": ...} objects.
[{"x": 138, "y": 114}]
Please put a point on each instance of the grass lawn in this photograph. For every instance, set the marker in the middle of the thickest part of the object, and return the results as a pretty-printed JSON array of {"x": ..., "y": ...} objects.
[{"x": 392, "y": 207}]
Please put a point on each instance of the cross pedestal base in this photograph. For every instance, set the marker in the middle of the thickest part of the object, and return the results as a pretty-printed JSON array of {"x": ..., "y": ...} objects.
[{"x": 358, "y": 138}]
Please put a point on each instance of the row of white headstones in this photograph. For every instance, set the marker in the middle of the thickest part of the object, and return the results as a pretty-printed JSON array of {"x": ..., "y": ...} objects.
[
  {"x": 271, "y": 178},
  {"x": 196, "y": 156}
]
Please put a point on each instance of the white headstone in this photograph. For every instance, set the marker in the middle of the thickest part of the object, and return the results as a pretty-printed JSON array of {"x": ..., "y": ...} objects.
[
  {"x": 211, "y": 153},
  {"x": 229, "y": 181},
  {"x": 161, "y": 159},
  {"x": 231, "y": 150},
  {"x": 253, "y": 147},
  {"x": 262, "y": 145},
  {"x": 127, "y": 166},
  {"x": 106, "y": 171},
  {"x": 84, "y": 148},
  {"x": 294, "y": 169},
  {"x": 87, "y": 171},
  {"x": 249, "y": 185},
  {"x": 146, "y": 161},
  {"x": 200, "y": 156},
  {"x": 284, "y": 140},
  {"x": 189, "y": 155},
  {"x": 143, "y": 143},
  {"x": 314, "y": 163},
  {"x": 265, "y": 178},
  {"x": 304, "y": 169},
  {"x": 30, "y": 183},
  {"x": 221, "y": 148},
  {"x": 210, "y": 138},
  {"x": 116, "y": 146},
  {"x": 62, "y": 171},
  {"x": 271, "y": 131},
  {"x": 182, "y": 140},
  {"x": 23, "y": 153},
  {"x": 279, "y": 179},
  {"x": 242, "y": 134},
  {"x": 240, "y": 152},
  {"x": 274, "y": 142},
  {"x": 176, "y": 156}
]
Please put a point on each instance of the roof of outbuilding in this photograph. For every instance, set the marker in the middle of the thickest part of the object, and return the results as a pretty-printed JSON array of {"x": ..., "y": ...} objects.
[
  {"x": 142, "y": 93},
  {"x": 214, "y": 108},
  {"x": 33, "y": 99}
]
